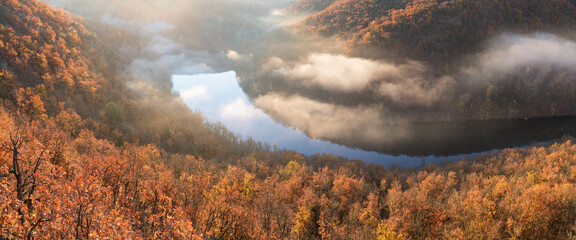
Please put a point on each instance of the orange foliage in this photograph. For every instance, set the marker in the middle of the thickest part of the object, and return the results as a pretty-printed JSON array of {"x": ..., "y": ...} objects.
[{"x": 62, "y": 176}]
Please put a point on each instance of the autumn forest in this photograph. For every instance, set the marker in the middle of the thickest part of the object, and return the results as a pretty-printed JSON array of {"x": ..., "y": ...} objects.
[{"x": 84, "y": 156}]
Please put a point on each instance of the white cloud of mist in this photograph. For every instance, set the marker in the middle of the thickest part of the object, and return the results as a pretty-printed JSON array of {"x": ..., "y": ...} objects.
[
  {"x": 233, "y": 55},
  {"x": 237, "y": 57},
  {"x": 163, "y": 57},
  {"x": 513, "y": 53},
  {"x": 158, "y": 27},
  {"x": 333, "y": 72},
  {"x": 211, "y": 26},
  {"x": 137, "y": 27},
  {"x": 162, "y": 66},
  {"x": 411, "y": 83},
  {"x": 132, "y": 26},
  {"x": 414, "y": 84},
  {"x": 161, "y": 45},
  {"x": 329, "y": 121}
]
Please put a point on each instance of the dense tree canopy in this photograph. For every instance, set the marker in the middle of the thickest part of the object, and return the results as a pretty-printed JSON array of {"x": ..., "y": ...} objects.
[
  {"x": 82, "y": 157},
  {"x": 434, "y": 30}
]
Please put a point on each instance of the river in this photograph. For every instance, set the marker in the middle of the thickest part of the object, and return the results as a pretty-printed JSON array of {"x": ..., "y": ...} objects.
[{"x": 220, "y": 98}]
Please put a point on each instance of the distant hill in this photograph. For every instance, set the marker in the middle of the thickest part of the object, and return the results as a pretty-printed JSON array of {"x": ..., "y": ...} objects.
[
  {"x": 446, "y": 38},
  {"x": 413, "y": 63},
  {"x": 434, "y": 30}
]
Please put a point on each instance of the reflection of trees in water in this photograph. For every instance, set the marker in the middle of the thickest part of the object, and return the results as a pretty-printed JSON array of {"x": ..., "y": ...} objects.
[
  {"x": 518, "y": 108},
  {"x": 453, "y": 138}
]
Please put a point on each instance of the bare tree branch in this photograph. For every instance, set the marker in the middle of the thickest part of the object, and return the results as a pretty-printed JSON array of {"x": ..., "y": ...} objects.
[{"x": 36, "y": 224}]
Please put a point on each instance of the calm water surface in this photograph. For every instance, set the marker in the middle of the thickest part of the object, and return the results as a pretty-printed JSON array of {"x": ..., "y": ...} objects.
[{"x": 220, "y": 98}]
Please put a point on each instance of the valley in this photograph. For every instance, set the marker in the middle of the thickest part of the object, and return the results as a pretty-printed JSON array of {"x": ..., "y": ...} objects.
[{"x": 106, "y": 133}]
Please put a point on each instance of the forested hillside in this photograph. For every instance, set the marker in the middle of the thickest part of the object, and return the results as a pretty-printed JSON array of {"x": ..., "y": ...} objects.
[
  {"x": 435, "y": 31},
  {"x": 53, "y": 67},
  {"x": 423, "y": 61},
  {"x": 85, "y": 156}
]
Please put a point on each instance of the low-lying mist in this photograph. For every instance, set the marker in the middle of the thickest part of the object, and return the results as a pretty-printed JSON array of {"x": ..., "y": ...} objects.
[
  {"x": 409, "y": 83},
  {"x": 316, "y": 85},
  {"x": 510, "y": 59},
  {"x": 514, "y": 53},
  {"x": 517, "y": 76}
]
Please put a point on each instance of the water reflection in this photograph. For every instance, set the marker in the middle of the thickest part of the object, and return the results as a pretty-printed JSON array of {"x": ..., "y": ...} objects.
[{"x": 220, "y": 98}]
